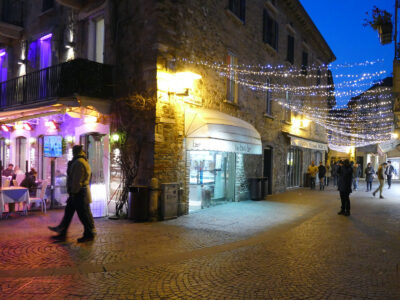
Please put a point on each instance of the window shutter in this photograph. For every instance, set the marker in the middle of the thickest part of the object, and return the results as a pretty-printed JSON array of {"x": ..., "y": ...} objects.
[
  {"x": 265, "y": 29},
  {"x": 276, "y": 35},
  {"x": 243, "y": 10}
]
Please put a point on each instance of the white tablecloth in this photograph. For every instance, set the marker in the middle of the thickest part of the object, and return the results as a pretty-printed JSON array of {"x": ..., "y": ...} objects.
[{"x": 13, "y": 195}]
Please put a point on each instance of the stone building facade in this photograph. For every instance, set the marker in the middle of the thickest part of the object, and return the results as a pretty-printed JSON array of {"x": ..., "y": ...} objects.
[{"x": 189, "y": 60}]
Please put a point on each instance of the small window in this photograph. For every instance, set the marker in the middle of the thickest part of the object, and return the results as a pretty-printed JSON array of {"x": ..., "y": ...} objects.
[
  {"x": 304, "y": 63},
  {"x": 47, "y": 4},
  {"x": 287, "y": 112},
  {"x": 268, "y": 100},
  {"x": 238, "y": 7},
  {"x": 232, "y": 87},
  {"x": 290, "y": 49},
  {"x": 96, "y": 40},
  {"x": 270, "y": 30}
]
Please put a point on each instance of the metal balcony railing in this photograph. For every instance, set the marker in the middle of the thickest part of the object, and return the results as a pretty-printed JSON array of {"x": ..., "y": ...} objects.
[
  {"x": 12, "y": 12},
  {"x": 79, "y": 76}
]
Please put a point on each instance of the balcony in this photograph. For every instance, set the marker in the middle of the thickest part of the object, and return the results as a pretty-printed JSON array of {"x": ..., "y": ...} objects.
[
  {"x": 77, "y": 77},
  {"x": 11, "y": 18}
]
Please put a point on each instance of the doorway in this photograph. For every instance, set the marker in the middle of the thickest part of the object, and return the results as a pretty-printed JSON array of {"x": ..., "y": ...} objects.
[{"x": 268, "y": 167}]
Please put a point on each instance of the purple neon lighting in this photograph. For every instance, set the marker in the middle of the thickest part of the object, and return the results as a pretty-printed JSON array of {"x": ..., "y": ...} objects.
[
  {"x": 47, "y": 36},
  {"x": 2, "y": 52}
]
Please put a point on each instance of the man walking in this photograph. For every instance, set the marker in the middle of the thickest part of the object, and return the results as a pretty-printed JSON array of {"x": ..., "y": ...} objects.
[
  {"x": 78, "y": 177},
  {"x": 345, "y": 173},
  {"x": 356, "y": 175},
  {"x": 312, "y": 170},
  {"x": 321, "y": 176},
  {"x": 389, "y": 173},
  {"x": 381, "y": 179}
]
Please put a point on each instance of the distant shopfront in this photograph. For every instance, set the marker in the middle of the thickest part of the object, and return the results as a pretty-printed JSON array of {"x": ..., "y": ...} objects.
[
  {"x": 300, "y": 154},
  {"x": 215, "y": 144}
]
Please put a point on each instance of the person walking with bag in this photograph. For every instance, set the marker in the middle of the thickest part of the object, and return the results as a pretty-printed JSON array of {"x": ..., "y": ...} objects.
[
  {"x": 381, "y": 179},
  {"x": 369, "y": 176},
  {"x": 345, "y": 174},
  {"x": 78, "y": 178}
]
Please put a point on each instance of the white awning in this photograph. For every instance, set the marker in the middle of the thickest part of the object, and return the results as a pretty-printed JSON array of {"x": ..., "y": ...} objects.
[{"x": 212, "y": 130}]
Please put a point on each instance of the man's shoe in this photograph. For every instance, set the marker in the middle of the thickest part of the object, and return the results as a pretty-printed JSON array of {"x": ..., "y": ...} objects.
[
  {"x": 347, "y": 213},
  {"x": 341, "y": 212},
  {"x": 86, "y": 238},
  {"x": 373, "y": 194},
  {"x": 55, "y": 229},
  {"x": 381, "y": 197},
  {"x": 60, "y": 237}
]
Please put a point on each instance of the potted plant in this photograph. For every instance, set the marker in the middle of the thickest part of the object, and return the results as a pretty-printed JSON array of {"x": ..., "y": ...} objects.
[{"x": 381, "y": 21}]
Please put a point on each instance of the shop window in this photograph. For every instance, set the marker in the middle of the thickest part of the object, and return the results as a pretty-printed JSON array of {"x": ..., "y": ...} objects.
[
  {"x": 232, "y": 87},
  {"x": 290, "y": 49},
  {"x": 96, "y": 40},
  {"x": 20, "y": 152},
  {"x": 268, "y": 100},
  {"x": 304, "y": 63},
  {"x": 293, "y": 167},
  {"x": 238, "y": 7},
  {"x": 47, "y": 4},
  {"x": 287, "y": 111},
  {"x": 270, "y": 30}
]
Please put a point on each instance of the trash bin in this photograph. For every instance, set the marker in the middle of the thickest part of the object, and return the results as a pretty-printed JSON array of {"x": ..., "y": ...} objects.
[
  {"x": 255, "y": 188},
  {"x": 138, "y": 203}
]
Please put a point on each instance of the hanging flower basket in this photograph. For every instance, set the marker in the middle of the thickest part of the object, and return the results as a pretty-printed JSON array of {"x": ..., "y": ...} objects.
[
  {"x": 381, "y": 21},
  {"x": 385, "y": 32}
]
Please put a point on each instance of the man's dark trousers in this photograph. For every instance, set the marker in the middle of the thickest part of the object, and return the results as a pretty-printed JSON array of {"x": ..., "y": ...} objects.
[
  {"x": 389, "y": 180},
  {"x": 78, "y": 203},
  {"x": 345, "y": 198}
]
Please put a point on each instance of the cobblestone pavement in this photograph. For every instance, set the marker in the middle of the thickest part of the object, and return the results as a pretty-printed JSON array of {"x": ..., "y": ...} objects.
[{"x": 292, "y": 246}]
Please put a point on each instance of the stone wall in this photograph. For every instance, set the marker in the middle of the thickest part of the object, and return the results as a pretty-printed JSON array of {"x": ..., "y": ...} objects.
[{"x": 206, "y": 31}]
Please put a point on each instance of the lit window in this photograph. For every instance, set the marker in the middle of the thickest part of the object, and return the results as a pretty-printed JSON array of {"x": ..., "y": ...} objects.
[{"x": 96, "y": 40}]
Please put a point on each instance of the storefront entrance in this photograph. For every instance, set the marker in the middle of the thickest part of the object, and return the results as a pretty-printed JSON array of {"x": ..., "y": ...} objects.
[{"x": 212, "y": 178}]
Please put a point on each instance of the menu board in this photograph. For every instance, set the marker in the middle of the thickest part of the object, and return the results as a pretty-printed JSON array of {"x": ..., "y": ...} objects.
[{"x": 52, "y": 146}]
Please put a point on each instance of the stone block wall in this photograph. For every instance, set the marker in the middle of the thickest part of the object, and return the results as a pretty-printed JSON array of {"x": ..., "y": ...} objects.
[{"x": 207, "y": 31}]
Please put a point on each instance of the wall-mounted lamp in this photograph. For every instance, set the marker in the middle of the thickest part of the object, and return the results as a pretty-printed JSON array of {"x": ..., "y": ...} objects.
[
  {"x": 115, "y": 137},
  {"x": 46, "y": 37},
  {"x": 27, "y": 126},
  {"x": 2, "y": 52},
  {"x": 69, "y": 139},
  {"x": 51, "y": 125},
  {"x": 5, "y": 128},
  {"x": 22, "y": 61},
  {"x": 7, "y": 141},
  {"x": 32, "y": 140},
  {"x": 69, "y": 45}
]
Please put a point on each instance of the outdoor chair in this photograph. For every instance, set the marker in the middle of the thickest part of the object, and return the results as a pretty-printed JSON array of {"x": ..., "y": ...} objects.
[{"x": 42, "y": 197}]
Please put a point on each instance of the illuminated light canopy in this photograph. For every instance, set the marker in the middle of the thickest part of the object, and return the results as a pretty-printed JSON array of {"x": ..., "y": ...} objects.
[
  {"x": 2, "y": 52},
  {"x": 5, "y": 128},
  {"x": 27, "y": 126}
]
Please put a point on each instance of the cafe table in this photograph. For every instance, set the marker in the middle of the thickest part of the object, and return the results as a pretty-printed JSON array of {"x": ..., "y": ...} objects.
[{"x": 13, "y": 194}]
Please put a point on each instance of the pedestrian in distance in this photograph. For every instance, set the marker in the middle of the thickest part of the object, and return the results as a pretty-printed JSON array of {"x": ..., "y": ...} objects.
[
  {"x": 381, "y": 179},
  {"x": 321, "y": 176},
  {"x": 345, "y": 173},
  {"x": 369, "y": 176},
  {"x": 389, "y": 171},
  {"x": 356, "y": 175},
  {"x": 78, "y": 178},
  {"x": 328, "y": 174},
  {"x": 312, "y": 171},
  {"x": 334, "y": 173}
]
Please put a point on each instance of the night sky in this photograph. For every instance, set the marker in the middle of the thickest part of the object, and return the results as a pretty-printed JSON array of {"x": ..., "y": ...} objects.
[{"x": 341, "y": 24}]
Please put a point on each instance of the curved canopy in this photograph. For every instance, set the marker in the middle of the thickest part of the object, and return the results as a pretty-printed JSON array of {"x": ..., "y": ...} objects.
[{"x": 212, "y": 130}]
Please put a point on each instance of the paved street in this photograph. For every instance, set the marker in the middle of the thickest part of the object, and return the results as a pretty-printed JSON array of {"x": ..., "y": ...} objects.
[{"x": 293, "y": 246}]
